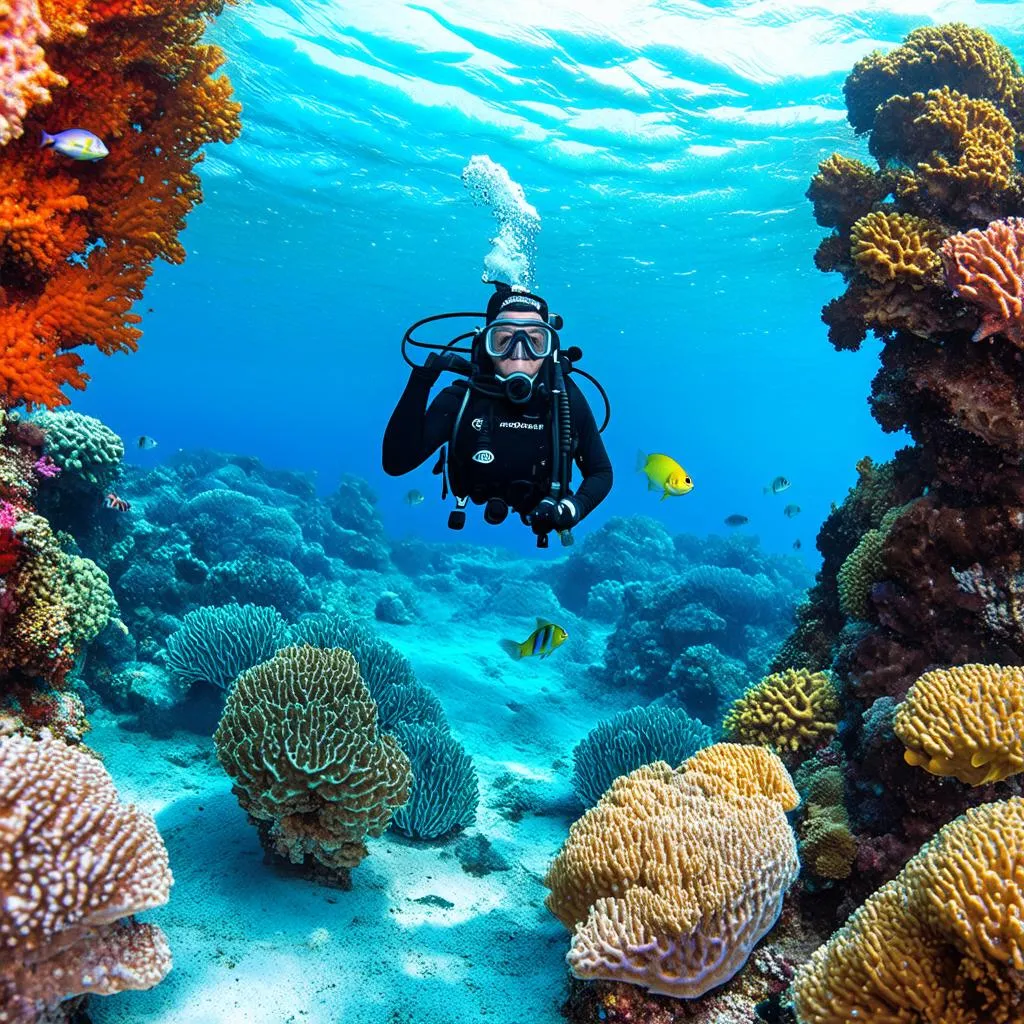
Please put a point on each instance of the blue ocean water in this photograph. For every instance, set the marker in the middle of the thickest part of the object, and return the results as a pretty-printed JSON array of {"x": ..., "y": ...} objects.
[{"x": 666, "y": 147}]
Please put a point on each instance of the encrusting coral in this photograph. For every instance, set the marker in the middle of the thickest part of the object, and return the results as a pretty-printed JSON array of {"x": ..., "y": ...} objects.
[
  {"x": 670, "y": 881},
  {"x": 788, "y": 711},
  {"x": 941, "y": 944},
  {"x": 75, "y": 865},
  {"x": 299, "y": 739},
  {"x": 77, "y": 241},
  {"x": 966, "y": 721}
]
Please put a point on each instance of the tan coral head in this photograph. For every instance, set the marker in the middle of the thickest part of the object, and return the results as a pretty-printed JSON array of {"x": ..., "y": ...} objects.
[{"x": 966, "y": 722}]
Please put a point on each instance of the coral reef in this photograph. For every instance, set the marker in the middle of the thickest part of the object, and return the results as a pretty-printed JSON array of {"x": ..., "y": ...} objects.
[
  {"x": 445, "y": 790},
  {"x": 75, "y": 865},
  {"x": 299, "y": 739},
  {"x": 79, "y": 241},
  {"x": 670, "y": 881},
  {"x": 629, "y": 740},
  {"x": 966, "y": 721},
  {"x": 941, "y": 943},
  {"x": 215, "y": 645},
  {"x": 790, "y": 712}
]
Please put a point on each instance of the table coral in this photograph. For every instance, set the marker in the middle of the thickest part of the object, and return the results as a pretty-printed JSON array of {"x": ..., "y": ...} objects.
[
  {"x": 299, "y": 739},
  {"x": 75, "y": 864},
  {"x": 966, "y": 721},
  {"x": 136, "y": 74},
  {"x": 787, "y": 711},
  {"x": 675, "y": 875},
  {"x": 987, "y": 269},
  {"x": 941, "y": 944}
]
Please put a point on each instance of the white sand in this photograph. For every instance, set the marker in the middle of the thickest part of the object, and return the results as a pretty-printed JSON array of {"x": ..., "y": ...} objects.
[{"x": 253, "y": 946}]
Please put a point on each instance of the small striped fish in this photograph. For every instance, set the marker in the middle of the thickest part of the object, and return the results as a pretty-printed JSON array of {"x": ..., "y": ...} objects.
[{"x": 543, "y": 640}]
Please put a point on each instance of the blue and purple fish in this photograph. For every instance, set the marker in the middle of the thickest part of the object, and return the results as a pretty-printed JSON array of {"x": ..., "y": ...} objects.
[{"x": 76, "y": 143}]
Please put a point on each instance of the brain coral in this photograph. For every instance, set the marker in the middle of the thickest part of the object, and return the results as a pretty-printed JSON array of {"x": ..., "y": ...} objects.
[
  {"x": 788, "y": 711},
  {"x": 943, "y": 943},
  {"x": 966, "y": 721},
  {"x": 75, "y": 864},
  {"x": 299, "y": 738},
  {"x": 674, "y": 876}
]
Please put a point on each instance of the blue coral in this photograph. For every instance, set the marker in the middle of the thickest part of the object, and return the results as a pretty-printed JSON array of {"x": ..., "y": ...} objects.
[
  {"x": 215, "y": 645},
  {"x": 445, "y": 790},
  {"x": 630, "y": 739}
]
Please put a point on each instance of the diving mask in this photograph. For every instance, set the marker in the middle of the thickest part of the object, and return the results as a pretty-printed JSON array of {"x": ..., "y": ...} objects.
[{"x": 515, "y": 338}]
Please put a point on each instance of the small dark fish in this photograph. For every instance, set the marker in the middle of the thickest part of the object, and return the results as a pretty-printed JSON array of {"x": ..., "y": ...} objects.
[
  {"x": 414, "y": 498},
  {"x": 777, "y": 486},
  {"x": 736, "y": 520},
  {"x": 797, "y": 545},
  {"x": 113, "y": 501},
  {"x": 146, "y": 443},
  {"x": 791, "y": 510}
]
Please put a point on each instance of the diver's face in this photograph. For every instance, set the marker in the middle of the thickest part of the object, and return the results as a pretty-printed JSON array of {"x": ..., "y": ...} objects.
[{"x": 531, "y": 367}]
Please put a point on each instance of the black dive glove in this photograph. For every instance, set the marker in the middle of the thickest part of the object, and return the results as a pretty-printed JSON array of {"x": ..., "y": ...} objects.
[
  {"x": 437, "y": 362},
  {"x": 554, "y": 515}
]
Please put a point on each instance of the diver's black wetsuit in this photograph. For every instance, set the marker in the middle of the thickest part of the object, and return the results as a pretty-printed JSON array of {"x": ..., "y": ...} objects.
[{"x": 518, "y": 437}]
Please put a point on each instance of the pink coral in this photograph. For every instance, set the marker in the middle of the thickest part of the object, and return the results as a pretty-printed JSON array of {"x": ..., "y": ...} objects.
[
  {"x": 25, "y": 77},
  {"x": 987, "y": 268},
  {"x": 75, "y": 864}
]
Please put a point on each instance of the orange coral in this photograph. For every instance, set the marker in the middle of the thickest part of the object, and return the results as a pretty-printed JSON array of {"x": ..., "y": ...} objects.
[
  {"x": 987, "y": 268},
  {"x": 78, "y": 239}
]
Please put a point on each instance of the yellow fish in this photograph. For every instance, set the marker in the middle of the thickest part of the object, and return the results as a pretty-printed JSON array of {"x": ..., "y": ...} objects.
[
  {"x": 664, "y": 472},
  {"x": 543, "y": 640}
]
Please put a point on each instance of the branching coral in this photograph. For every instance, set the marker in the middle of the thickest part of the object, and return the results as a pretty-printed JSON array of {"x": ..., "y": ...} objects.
[
  {"x": 674, "y": 876},
  {"x": 966, "y": 721},
  {"x": 788, "y": 711},
  {"x": 299, "y": 738},
  {"x": 987, "y": 269},
  {"x": 77, "y": 242},
  {"x": 25, "y": 77},
  {"x": 75, "y": 864},
  {"x": 940, "y": 944}
]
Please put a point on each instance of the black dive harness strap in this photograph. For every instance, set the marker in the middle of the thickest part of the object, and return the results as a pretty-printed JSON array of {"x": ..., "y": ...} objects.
[{"x": 561, "y": 451}]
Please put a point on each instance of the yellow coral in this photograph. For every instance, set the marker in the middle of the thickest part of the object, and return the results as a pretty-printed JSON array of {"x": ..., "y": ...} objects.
[
  {"x": 897, "y": 246},
  {"x": 674, "y": 876},
  {"x": 843, "y": 190},
  {"x": 966, "y": 721},
  {"x": 955, "y": 54},
  {"x": 956, "y": 145},
  {"x": 943, "y": 943},
  {"x": 787, "y": 711}
]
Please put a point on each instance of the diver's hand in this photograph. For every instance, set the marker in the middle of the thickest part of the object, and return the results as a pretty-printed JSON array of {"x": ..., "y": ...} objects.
[{"x": 554, "y": 515}]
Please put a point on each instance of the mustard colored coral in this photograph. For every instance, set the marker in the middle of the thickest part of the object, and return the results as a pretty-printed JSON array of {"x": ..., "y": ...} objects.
[
  {"x": 788, "y": 711},
  {"x": 674, "y": 876},
  {"x": 299, "y": 738},
  {"x": 844, "y": 190},
  {"x": 896, "y": 246},
  {"x": 943, "y": 943},
  {"x": 966, "y": 721}
]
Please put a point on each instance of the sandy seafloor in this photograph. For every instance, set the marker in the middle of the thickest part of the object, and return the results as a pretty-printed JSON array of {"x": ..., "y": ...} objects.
[{"x": 252, "y": 945}]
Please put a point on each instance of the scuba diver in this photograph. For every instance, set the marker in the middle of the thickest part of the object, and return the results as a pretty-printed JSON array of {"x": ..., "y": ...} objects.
[{"x": 512, "y": 428}]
